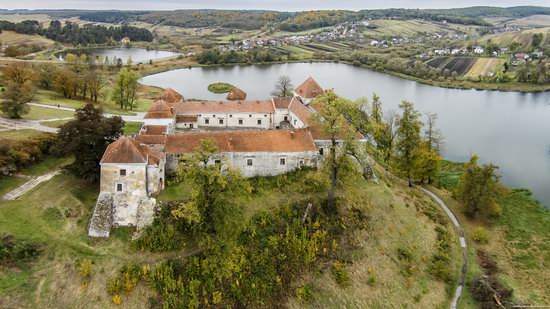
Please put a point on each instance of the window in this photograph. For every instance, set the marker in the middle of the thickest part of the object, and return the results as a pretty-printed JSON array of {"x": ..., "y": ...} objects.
[
  {"x": 207, "y": 121},
  {"x": 286, "y": 118},
  {"x": 295, "y": 121},
  {"x": 301, "y": 163},
  {"x": 122, "y": 172},
  {"x": 221, "y": 121},
  {"x": 250, "y": 116},
  {"x": 119, "y": 187},
  {"x": 282, "y": 161},
  {"x": 249, "y": 162},
  {"x": 321, "y": 151},
  {"x": 240, "y": 121},
  {"x": 259, "y": 121},
  {"x": 191, "y": 126},
  {"x": 217, "y": 161},
  {"x": 230, "y": 116}
]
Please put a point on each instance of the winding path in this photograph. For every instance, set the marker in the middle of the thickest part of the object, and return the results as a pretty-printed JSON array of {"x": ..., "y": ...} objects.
[{"x": 462, "y": 240}]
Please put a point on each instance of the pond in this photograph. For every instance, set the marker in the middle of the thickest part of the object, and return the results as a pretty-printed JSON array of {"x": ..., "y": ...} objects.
[
  {"x": 138, "y": 54},
  {"x": 511, "y": 130}
]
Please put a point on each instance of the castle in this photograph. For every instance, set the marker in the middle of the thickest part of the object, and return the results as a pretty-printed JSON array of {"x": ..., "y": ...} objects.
[{"x": 259, "y": 137}]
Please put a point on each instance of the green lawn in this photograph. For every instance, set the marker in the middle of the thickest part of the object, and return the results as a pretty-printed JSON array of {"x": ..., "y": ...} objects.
[
  {"x": 39, "y": 113},
  {"x": 220, "y": 87},
  {"x": 131, "y": 128},
  {"x": 54, "y": 124},
  {"x": 20, "y": 134}
]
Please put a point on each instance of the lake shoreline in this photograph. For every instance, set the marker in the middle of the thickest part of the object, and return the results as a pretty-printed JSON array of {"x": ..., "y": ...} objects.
[{"x": 464, "y": 85}]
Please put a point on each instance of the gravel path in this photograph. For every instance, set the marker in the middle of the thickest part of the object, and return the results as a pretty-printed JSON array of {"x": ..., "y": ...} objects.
[
  {"x": 462, "y": 241},
  {"x": 29, "y": 185}
]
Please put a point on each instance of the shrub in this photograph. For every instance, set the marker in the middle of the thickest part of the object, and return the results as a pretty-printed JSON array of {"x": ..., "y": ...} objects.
[
  {"x": 15, "y": 251},
  {"x": 85, "y": 268},
  {"x": 481, "y": 236},
  {"x": 116, "y": 299},
  {"x": 340, "y": 274},
  {"x": 304, "y": 293}
]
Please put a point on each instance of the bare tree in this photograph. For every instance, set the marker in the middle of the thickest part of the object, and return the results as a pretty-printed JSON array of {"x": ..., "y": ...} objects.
[
  {"x": 434, "y": 138},
  {"x": 283, "y": 87}
]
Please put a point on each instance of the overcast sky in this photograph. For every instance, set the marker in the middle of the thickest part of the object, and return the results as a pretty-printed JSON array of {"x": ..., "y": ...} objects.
[{"x": 281, "y": 5}]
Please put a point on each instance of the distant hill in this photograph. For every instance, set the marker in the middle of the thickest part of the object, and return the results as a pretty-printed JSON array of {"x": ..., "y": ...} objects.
[{"x": 289, "y": 21}]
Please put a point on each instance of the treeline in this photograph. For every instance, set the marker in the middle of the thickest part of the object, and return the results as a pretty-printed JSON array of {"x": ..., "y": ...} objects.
[
  {"x": 77, "y": 35},
  {"x": 111, "y": 16},
  {"x": 17, "y": 154},
  {"x": 246, "y": 20},
  {"x": 318, "y": 19},
  {"x": 216, "y": 56}
]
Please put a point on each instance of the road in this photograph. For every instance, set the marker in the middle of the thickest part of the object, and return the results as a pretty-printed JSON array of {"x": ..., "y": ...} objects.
[
  {"x": 462, "y": 241},
  {"x": 21, "y": 124}
]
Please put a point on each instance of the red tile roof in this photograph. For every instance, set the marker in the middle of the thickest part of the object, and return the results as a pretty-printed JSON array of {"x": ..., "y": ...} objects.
[
  {"x": 236, "y": 94},
  {"x": 301, "y": 111},
  {"x": 128, "y": 150},
  {"x": 160, "y": 110},
  {"x": 153, "y": 130},
  {"x": 282, "y": 103},
  {"x": 197, "y": 107},
  {"x": 151, "y": 139},
  {"x": 244, "y": 141},
  {"x": 186, "y": 118},
  {"x": 309, "y": 89},
  {"x": 171, "y": 96}
]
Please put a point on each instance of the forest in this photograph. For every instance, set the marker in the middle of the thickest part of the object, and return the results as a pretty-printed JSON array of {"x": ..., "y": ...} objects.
[{"x": 77, "y": 35}]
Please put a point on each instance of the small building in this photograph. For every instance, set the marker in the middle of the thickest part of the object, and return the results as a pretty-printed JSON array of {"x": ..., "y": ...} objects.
[
  {"x": 160, "y": 114},
  {"x": 125, "y": 40},
  {"x": 236, "y": 94},
  {"x": 171, "y": 96},
  {"x": 478, "y": 50},
  {"x": 130, "y": 173},
  {"x": 521, "y": 57},
  {"x": 308, "y": 90}
]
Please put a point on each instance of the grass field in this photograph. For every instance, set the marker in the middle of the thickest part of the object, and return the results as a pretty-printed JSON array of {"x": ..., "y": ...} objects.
[
  {"x": 298, "y": 53},
  {"x": 410, "y": 28},
  {"x": 484, "y": 66},
  {"x": 132, "y": 128},
  {"x": 54, "y": 124},
  {"x": 19, "y": 134},
  {"x": 10, "y": 38},
  {"x": 17, "y": 18}
]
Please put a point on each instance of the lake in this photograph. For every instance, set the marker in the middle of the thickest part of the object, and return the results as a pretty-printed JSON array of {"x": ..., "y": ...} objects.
[
  {"x": 511, "y": 130},
  {"x": 138, "y": 54}
]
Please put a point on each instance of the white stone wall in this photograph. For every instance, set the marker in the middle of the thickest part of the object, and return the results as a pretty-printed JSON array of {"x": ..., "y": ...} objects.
[
  {"x": 134, "y": 181},
  {"x": 296, "y": 122},
  {"x": 186, "y": 125},
  {"x": 169, "y": 122},
  {"x": 231, "y": 120},
  {"x": 263, "y": 163},
  {"x": 280, "y": 115}
]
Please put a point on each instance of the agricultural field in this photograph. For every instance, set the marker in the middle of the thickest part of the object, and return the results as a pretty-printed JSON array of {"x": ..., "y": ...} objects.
[
  {"x": 10, "y": 37},
  {"x": 297, "y": 52},
  {"x": 484, "y": 66},
  {"x": 523, "y": 37},
  {"x": 460, "y": 65},
  {"x": 17, "y": 18},
  {"x": 529, "y": 21},
  {"x": 411, "y": 28}
]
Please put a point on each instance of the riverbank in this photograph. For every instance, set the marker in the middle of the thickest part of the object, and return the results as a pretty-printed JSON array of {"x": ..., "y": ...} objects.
[{"x": 517, "y": 240}]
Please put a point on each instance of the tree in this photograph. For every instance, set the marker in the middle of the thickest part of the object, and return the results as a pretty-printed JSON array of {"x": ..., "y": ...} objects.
[
  {"x": 376, "y": 111},
  {"x": 427, "y": 164},
  {"x": 478, "y": 189},
  {"x": 214, "y": 210},
  {"x": 66, "y": 82},
  {"x": 96, "y": 83},
  {"x": 537, "y": 39},
  {"x": 125, "y": 90},
  {"x": 86, "y": 138},
  {"x": 408, "y": 139},
  {"x": 433, "y": 136},
  {"x": 331, "y": 118},
  {"x": 283, "y": 87},
  {"x": 46, "y": 75},
  {"x": 385, "y": 134},
  {"x": 19, "y": 90}
]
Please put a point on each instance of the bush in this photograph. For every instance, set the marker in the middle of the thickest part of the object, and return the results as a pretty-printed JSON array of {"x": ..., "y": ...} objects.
[
  {"x": 85, "y": 268},
  {"x": 481, "y": 236},
  {"x": 304, "y": 293},
  {"x": 14, "y": 251},
  {"x": 340, "y": 274}
]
